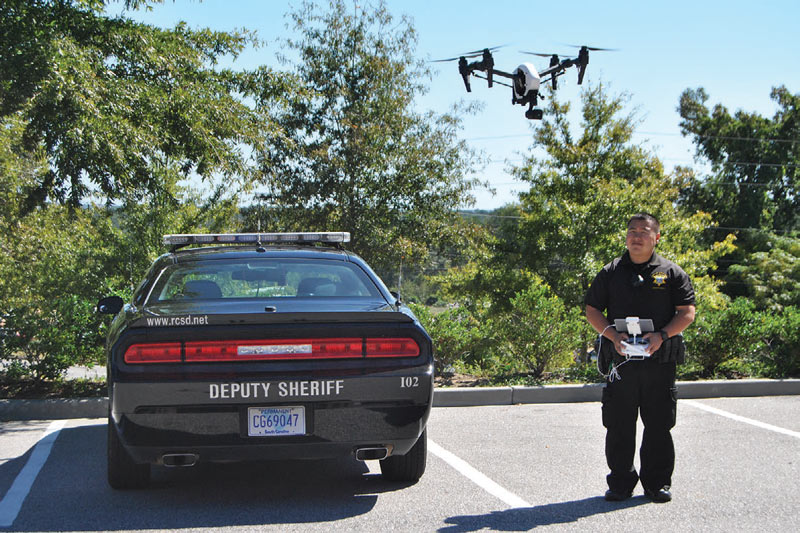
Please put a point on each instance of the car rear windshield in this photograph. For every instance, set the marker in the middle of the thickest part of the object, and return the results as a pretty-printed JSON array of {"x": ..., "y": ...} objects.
[{"x": 263, "y": 278}]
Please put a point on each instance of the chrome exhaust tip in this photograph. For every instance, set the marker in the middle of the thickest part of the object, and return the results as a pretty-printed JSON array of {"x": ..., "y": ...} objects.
[
  {"x": 179, "y": 459},
  {"x": 371, "y": 454}
]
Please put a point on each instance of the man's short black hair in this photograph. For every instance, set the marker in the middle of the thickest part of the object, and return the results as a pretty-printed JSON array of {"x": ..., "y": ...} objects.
[{"x": 647, "y": 217}]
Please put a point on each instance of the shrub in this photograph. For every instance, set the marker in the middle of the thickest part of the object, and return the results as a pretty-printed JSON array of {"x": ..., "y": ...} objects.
[
  {"x": 48, "y": 340},
  {"x": 721, "y": 335},
  {"x": 458, "y": 336},
  {"x": 540, "y": 332},
  {"x": 779, "y": 348}
]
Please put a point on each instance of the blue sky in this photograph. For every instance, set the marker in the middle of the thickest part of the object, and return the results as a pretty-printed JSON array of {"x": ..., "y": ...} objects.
[{"x": 736, "y": 50}]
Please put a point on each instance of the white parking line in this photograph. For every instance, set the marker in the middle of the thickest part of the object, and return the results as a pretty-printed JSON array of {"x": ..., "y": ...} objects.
[
  {"x": 738, "y": 418},
  {"x": 15, "y": 497},
  {"x": 480, "y": 479}
]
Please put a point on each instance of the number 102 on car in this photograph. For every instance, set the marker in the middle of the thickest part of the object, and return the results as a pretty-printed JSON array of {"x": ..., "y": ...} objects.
[{"x": 409, "y": 382}]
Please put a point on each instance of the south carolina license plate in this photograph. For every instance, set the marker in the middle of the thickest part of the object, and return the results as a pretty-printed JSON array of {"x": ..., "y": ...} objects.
[{"x": 276, "y": 421}]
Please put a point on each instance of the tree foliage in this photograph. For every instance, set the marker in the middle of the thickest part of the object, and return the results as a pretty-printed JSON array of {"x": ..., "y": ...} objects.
[
  {"x": 754, "y": 188},
  {"x": 772, "y": 276},
  {"x": 584, "y": 186},
  {"x": 57, "y": 262},
  {"x": 110, "y": 100},
  {"x": 358, "y": 156},
  {"x": 755, "y": 180},
  {"x": 99, "y": 107}
]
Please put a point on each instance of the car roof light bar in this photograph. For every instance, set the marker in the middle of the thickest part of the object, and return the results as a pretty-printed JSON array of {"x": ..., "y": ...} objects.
[{"x": 250, "y": 238}]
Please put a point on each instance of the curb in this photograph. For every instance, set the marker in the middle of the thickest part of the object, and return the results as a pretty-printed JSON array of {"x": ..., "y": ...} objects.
[
  {"x": 592, "y": 392},
  {"x": 53, "y": 409},
  {"x": 445, "y": 397}
]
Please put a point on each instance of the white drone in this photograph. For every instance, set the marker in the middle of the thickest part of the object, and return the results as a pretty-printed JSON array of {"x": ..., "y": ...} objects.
[{"x": 526, "y": 80}]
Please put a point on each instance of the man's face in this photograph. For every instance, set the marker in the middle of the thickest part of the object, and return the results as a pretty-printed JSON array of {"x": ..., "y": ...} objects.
[{"x": 641, "y": 239}]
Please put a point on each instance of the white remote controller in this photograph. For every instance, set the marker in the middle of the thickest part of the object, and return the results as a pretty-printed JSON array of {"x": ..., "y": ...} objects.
[{"x": 636, "y": 348}]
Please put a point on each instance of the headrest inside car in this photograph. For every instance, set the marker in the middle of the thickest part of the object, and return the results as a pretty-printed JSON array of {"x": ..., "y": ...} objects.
[{"x": 201, "y": 289}]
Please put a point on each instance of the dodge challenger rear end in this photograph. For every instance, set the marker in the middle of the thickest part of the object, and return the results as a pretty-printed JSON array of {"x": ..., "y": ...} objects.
[{"x": 264, "y": 346}]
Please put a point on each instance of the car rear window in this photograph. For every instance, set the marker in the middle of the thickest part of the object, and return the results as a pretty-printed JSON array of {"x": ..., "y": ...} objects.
[{"x": 263, "y": 278}]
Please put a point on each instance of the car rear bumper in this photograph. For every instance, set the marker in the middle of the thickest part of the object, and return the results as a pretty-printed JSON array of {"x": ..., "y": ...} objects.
[{"x": 210, "y": 418}]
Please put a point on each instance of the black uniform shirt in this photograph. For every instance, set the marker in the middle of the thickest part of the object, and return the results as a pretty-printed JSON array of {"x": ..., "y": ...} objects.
[{"x": 649, "y": 290}]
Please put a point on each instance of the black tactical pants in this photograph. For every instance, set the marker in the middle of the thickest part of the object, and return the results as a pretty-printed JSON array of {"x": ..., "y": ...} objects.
[{"x": 647, "y": 388}]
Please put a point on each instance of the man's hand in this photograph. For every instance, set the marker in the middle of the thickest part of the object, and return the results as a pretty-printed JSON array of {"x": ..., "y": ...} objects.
[
  {"x": 599, "y": 322},
  {"x": 655, "y": 341},
  {"x": 617, "y": 338}
]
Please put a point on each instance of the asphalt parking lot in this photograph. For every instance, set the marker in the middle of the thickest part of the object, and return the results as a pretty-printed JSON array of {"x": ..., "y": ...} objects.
[{"x": 506, "y": 468}]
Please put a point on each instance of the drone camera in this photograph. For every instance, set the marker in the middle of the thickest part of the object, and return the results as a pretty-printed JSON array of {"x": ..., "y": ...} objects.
[{"x": 534, "y": 114}]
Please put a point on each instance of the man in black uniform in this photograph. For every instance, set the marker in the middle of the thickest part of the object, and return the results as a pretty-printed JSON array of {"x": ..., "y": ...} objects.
[{"x": 641, "y": 284}]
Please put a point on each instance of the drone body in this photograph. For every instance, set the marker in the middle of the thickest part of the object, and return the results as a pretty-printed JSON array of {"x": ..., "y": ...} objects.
[
  {"x": 525, "y": 80},
  {"x": 525, "y": 89}
]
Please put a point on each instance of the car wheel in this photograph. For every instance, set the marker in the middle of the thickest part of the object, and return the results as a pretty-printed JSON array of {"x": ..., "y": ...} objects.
[
  {"x": 408, "y": 467},
  {"x": 123, "y": 473}
]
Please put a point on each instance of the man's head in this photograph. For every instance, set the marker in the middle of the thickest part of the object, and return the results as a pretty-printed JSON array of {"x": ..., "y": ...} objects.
[{"x": 643, "y": 234}]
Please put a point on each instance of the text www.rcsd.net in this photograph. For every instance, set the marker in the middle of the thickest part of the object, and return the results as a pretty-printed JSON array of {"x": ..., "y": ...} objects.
[{"x": 178, "y": 321}]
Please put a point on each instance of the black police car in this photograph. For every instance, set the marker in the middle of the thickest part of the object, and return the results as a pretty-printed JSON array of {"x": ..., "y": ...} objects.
[{"x": 265, "y": 346}]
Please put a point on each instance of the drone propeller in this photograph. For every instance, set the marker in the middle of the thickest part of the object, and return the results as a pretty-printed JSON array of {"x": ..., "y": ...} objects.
[
  {"x": 540, "y": 54},
  {"x": 474, "y": 53},
  {"x": 593, "y": 48},
  {"x": 453, "y": 58},
  {"x": 583, "y": 57},
  {"x": 492, "y": 49}
]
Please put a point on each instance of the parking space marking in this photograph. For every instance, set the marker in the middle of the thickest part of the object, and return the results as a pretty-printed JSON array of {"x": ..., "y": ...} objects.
[
  {"x": 738, "y": 418},
  {"x": 480, "y": 479},
  {"x": 15, "y": 497}
]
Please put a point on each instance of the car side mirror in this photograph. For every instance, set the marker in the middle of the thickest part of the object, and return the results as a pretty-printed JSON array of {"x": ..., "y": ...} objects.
[
  {"x": 396, "y": 296},
  {"x": 110, "y": 305}
]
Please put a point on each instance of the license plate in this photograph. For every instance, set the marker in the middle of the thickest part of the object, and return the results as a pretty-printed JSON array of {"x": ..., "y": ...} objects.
[{"x": 276, "y": 421}]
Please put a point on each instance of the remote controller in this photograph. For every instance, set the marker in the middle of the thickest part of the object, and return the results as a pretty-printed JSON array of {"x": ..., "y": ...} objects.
[{"x": 636, "y": 348}]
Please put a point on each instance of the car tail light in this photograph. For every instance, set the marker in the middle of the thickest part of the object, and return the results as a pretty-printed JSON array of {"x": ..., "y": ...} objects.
[
  {"x": 274, "y": 349},
  {"x": 165, "y": 352},
  {"x": 392, "y": 348},
  {"x": 271, "y": 350}
]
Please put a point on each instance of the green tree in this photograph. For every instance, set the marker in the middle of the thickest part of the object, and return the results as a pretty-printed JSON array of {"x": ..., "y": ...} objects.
[
  {"x": 752, "y": 188},
  {"x": 755, "y": 161},
  {"x": 143, "y": 220},
  {"x": 585, "y": 183},
  {"x": 586, "y": 186},
  {"x": 110, "y": 100},
  {"x": 357, "y": 155}
]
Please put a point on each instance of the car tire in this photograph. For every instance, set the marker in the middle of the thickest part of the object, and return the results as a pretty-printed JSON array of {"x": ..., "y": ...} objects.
[
  {"x": 408, "y": 467},
  {"x": 123, "y": 472}
]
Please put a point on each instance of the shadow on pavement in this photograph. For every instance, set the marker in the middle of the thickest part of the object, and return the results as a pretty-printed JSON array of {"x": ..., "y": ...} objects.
[
  {"x": 527, "y": 518},
  {"x": 71, "y": 492}
]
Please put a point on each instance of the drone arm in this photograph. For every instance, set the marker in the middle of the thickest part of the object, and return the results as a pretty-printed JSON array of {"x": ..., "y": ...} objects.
[
  {"x": 580, "y": 62},
  {"x": 503, "y": 74},
  {"x": 495, "y": 81},
  {"x": 553, "y": 76},
  {"x": 559, "y": 68}
]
